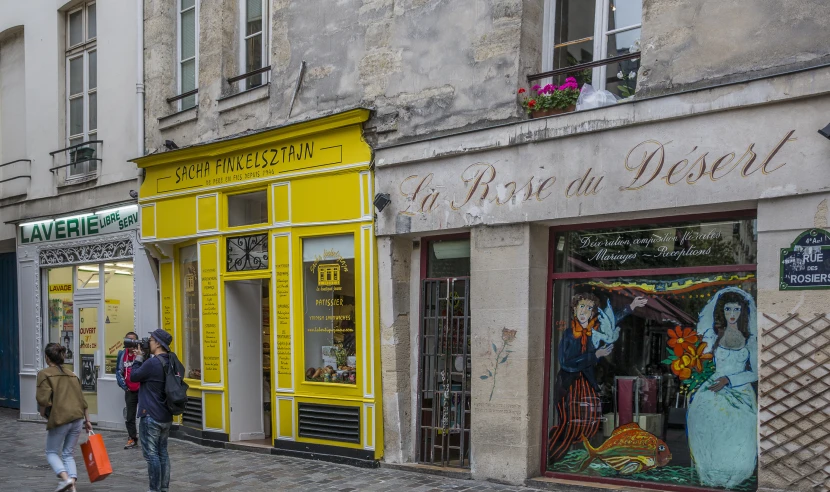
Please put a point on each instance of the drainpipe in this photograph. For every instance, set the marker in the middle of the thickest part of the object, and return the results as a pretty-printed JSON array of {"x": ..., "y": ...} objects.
[{"x": 139, "y": 83}]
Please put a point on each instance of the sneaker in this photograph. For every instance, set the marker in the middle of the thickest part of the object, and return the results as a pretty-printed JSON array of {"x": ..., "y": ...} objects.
[
  {"x": 65, "y": 485},
  {"x": 130, "y": 444}
]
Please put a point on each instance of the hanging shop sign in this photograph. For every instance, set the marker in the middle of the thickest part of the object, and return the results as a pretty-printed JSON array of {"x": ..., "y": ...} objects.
[
  {"x": 93, "y": 224},
  {"x": 806, "y": 263}
]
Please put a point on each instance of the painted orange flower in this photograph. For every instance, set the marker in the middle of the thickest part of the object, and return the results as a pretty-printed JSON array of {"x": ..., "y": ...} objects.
[
  {"x": 680, "y": 338},
  {"x": 697, "y": 356},
  {"x": 681, "y": 367}
]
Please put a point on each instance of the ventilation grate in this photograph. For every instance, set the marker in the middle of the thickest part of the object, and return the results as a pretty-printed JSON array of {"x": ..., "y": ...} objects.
[
  {"x": 330, "y": 422},
  {"x": 192, "y": 416}
]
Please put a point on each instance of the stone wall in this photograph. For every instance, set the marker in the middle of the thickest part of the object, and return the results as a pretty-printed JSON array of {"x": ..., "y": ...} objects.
[
  {"x": 425, "y": 66},
  {"x": 688, "y": 45}
]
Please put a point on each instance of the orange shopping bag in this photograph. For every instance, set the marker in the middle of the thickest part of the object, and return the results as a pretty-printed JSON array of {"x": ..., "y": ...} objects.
[{"x": 95, "y": 458}]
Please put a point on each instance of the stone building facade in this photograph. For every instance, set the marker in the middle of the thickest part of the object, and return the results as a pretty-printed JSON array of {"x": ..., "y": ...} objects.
[{"x": 713, "y": 139}]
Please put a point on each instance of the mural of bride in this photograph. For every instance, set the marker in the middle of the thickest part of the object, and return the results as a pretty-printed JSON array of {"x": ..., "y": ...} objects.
[{"x": 722, "y": 415}]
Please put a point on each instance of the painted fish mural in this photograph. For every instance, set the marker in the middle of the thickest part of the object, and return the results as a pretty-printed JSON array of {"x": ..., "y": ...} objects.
[{"x": 629, "y": 450}]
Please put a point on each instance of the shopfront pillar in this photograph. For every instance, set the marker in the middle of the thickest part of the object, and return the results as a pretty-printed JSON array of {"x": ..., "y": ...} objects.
[{"x": 508, "y": 295}]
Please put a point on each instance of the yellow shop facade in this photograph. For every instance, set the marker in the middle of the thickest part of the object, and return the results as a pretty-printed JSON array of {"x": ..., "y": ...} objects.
[{"x": 267, "y": 281}]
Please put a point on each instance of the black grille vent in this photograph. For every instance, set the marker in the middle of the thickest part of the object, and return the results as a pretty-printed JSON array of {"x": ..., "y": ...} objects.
[
  {"x": 330, "y": 422},
  {"x": 192, "y": 416}
]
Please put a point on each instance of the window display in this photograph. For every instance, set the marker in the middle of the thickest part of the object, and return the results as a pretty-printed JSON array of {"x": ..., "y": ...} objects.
[
  {"x": 60, "y": 318},
  {"x": 189, "y": 268},
  {"x": 653, "y": 376},
  {"x": 118, "y": 310},
  {"x": 329, "y": 309}
]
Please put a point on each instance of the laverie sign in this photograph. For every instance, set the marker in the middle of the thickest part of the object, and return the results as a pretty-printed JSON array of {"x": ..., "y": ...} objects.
[{"x": 92, "y": 224}]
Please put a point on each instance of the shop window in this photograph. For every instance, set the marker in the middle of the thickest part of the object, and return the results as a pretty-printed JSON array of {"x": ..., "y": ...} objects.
[
  {"x": 248, "y": 208},
  {"x": 329, "y": 309},
  {"x": 449, "y": 258},
  {"x": 654, "y": 363},
  {"x": 247, "y": 253},
  {"x": 60, "y": 317},
  {"x": 586, "y": 31},
  {"x": 88, "y": 277},
  {"x": 118, "y": 310},
  {"x": 189, "y": 278}
]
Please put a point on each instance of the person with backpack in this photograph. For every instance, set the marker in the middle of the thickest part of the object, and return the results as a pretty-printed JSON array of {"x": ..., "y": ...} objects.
[
  {"x": 61, "y": 400},
  {"x": 123, "y": 369},
  {"x": 160, "y": 397}
]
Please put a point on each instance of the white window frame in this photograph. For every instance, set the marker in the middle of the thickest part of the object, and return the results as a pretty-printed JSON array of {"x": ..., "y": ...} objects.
[
  {"x": 81, "y": 50},
  {"x": 266, "y": 36},
  {"x": 195, "y": 56},
  {"x": 600, "y": 35}
]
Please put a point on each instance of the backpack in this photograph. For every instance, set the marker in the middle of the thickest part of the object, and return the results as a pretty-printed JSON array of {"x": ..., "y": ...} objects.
[{"x": 175, "y": 389}]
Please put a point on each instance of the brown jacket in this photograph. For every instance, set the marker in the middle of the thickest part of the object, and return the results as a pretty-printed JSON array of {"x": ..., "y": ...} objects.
[{"x": 62, "y": 391}]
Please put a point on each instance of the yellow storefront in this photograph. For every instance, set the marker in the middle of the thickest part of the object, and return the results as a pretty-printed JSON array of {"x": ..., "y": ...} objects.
[{"x": 267, "y": 280}]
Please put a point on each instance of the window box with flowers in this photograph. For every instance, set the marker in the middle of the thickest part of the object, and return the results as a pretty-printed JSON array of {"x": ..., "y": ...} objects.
[{"x": 550, "y": 99}]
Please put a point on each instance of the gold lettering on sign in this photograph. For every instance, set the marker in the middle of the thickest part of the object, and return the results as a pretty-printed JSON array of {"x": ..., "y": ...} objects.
[
  {"x": 584, "y": 186},
  {"x": 477, "y": 180}
]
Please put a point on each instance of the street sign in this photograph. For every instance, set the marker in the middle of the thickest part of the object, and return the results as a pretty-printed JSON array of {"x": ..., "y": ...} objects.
[{"x": 806, "y": 263}]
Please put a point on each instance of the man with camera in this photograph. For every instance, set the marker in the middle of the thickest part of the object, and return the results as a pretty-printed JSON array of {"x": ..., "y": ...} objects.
[
  {"x": 152, "y": 356},
  {"x": 123, "y": 369}
]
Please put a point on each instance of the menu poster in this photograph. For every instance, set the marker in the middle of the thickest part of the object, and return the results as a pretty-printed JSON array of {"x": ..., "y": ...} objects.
[
  {"x": 209, "y": 278},
  {"x": 66, "y": 340},
  {"x": 89, "y": 382},
  {"x": 283, "y": 311}
]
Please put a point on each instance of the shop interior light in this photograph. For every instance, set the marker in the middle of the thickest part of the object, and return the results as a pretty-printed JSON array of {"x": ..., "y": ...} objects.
[
  {"x": 122, "y": 272},
  {"x": 26, "y": 224},
  {"x": 88, "y": 269},
  {"x": 446, "y": 250},
  {"x": 124, "y": 265}
]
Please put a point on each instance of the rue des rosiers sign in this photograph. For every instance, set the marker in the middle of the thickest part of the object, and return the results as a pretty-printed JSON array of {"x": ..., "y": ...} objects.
[{"x": 77, "y": 226}]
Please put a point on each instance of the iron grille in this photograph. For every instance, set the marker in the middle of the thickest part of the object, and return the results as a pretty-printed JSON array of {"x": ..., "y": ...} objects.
[
  {"x": 444, "y": 373},
  {"x": 330, "y": 422},
  {"x": 248, "y": 253},
  {"x": 192, "y": 416}
]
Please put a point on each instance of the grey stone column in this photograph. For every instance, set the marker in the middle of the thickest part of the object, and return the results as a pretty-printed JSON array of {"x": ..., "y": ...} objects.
[
  {"x": 394, "y": 270},
  {"x": 508, "y": 296}
]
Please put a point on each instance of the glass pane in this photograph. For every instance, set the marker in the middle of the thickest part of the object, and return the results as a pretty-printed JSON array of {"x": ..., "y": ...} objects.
[
  {"x": 188, "y": 34},
  {"x": 76, "y": 75},
  {"x": 87, "y": 276},
  {"x": 92, "y": 61},
  {"x": 78, "y": 168},
  {"x": 189, "y": 274},
  {"x": 247, "y": 253},
  {"x": 76, "y": 27},
  {"x": 188, "y": 75},
  {"x": 118, "y": 305},
  {"x": 574, "y": 20},
  {"x": 76, "y": 116},
  {"x": 61, "y": 312},
  {"x": 93, "y": 111},
  {"x": 329, "y": 309},
  {"x": 186, "y": 4},
  {"x": 253, "y": 60},
  {"x": 91, "y": 166},
  {"x": 92, "y": 23},
  {"x": 727, "y": 242},
  {"x": 621, "y": 77},
  {"x": 667, "y": 360},
  {"x": 253, "y": 17},
  {"x": 624, "y": 13},
  {"x": 574, "y": 54},
  {"x": 88, "y": 323},
  {"x": 449, "y": 258},
  {"x": 624, "y": 42},
  {"x": 248, "y": 208}
]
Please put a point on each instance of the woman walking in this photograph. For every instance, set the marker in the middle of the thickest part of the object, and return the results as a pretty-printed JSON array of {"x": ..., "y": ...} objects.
[{"x": 61, "y": 401}]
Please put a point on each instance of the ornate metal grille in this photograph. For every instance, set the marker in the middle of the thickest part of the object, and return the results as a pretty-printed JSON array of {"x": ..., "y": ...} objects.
[
  {"x": 248, "y": 253},
  {"x": 444, "y": 388},
  {"x": 87, "y": 253},
  {"x": 795, "y": 403}
]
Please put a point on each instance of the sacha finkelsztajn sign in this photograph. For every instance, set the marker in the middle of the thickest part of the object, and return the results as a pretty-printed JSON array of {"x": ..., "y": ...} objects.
[
  {"x": 806, "y": 263},
  {"x": 104, "y": 222}
]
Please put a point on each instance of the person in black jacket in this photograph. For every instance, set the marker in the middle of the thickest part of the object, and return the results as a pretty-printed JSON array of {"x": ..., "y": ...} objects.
[
  {"x": 123, "y": 368},
  {"x": 156, "y": 419}
]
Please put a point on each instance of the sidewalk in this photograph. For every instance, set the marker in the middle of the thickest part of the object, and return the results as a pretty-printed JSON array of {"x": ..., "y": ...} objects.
[{"x": 23, "y": 467}]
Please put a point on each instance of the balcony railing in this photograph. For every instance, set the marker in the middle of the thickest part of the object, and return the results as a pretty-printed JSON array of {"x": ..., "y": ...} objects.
[
  {"x": 13, "y": 176},
  {"x": 82, "y": 159},
  {"x": 619, "y": 81},
  {"x": 182, "y": 96}
]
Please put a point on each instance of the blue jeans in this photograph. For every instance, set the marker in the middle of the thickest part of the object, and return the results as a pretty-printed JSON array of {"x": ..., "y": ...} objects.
[
  {"x": 153, "y": 436},
  {"x": 63, "y": 439}
]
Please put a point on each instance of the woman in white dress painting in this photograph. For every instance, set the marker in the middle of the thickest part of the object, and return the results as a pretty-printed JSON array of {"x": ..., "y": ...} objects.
[{"x": 722, "y": 416}]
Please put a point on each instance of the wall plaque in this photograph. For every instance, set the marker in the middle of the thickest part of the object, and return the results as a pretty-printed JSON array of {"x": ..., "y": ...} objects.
[{"x": 806, "y": 263}]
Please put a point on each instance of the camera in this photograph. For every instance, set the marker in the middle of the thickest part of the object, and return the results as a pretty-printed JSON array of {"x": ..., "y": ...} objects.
[{"x": 143, "y": 343}]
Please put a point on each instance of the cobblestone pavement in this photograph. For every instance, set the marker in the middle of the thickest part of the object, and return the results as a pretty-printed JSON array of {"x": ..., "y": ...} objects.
[{"x": 23, "y": 467}]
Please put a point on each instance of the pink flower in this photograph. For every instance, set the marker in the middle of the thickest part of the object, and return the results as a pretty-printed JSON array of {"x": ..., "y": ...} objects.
[
  {"x": 548, "y": 89},
  {"x": 570, "y": 79},
  {"x": 536, "y": 87}
]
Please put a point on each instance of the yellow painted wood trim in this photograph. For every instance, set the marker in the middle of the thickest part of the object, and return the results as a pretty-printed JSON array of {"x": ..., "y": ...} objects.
[{"x": 352, "y": 117}]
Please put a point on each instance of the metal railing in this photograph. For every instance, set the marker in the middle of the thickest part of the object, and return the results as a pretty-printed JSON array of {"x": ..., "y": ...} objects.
[
  {"x": 583, "y": 66},
  {"x": 237, "y": 78},
  {"x": 4, "y": 180},
  {"x": 182, "y": 96},
  {"x": 75, "y": 156}
]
